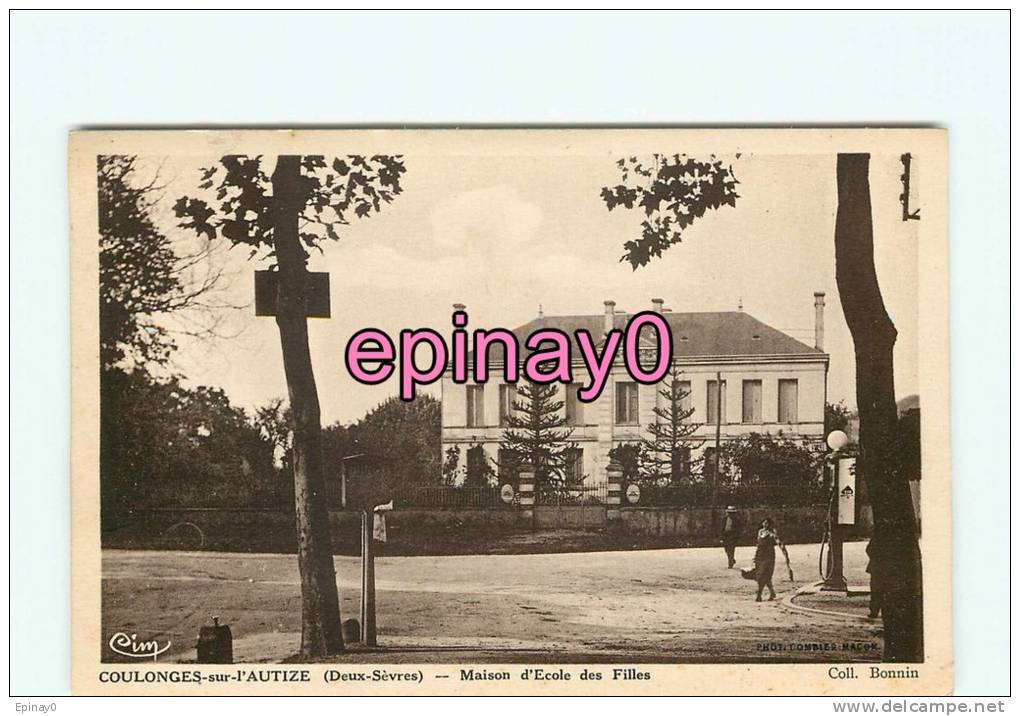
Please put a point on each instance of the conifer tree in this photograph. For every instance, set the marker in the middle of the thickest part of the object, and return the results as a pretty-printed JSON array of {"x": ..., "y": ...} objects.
[
  {"x": 536, "y": 434},
  {"x": 665, "y": 457}
]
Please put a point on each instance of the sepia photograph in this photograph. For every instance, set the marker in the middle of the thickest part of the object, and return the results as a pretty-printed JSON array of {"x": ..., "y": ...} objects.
[
  {"x": 496, "y": 402},
  {"x": 509, "y": 353}
]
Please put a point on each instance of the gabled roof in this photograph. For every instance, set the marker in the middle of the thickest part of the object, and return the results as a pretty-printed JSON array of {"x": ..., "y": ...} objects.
[{"x": 720, "y": 333}]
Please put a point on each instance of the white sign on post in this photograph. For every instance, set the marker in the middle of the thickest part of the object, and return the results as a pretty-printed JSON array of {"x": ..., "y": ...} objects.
[{"x": 846, "y": 484}]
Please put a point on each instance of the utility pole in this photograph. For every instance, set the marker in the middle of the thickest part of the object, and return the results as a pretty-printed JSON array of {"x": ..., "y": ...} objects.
[
  {"x": 367, "y": 579},
  {"x": 718, "y": 436}
]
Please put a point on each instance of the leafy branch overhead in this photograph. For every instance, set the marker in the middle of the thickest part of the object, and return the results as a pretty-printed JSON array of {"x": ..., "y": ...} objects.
[
  {"x": 673, "y": 191},
  {"x": 332, "y": 193}
]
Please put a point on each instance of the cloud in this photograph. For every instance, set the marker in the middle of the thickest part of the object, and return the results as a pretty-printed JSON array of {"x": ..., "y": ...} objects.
[{"x": 492, "y": 216}]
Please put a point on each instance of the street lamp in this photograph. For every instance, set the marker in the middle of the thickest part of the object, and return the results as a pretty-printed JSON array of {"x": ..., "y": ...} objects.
[
  {"x": 837, "y": 440},
  {"x": 835, "y": 581}
]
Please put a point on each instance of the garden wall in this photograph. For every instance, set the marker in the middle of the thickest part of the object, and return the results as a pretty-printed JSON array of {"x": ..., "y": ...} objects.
[
  {"x": 696, "y": 525},
  {"x": 455, "y": 531}
]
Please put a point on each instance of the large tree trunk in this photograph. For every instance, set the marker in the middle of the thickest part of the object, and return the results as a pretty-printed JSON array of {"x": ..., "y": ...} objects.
[
  {"x": 895, "y": 556},
  {"x": 320, "y": 608}
]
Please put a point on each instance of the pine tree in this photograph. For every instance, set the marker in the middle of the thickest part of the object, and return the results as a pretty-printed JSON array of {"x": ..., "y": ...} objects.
[
  {"x": 536, "y": 435},
  {"x": 665, "y": 458}
]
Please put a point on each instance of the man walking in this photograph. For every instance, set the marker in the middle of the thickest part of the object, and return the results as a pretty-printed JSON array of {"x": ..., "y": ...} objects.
[{"x": 730, "y": 534}]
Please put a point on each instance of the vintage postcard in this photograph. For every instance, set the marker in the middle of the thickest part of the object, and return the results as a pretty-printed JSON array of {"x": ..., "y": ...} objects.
[{"x": 510, "y": 411}]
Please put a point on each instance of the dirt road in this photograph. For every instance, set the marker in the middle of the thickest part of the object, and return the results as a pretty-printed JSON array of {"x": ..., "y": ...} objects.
[{"x": 679, "y": 605}]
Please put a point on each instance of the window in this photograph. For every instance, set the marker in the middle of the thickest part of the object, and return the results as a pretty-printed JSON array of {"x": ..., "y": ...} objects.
[
  {"x": 685, "y": 392},
  {"x": 626, "y": 404},
  {"x": 681, "y": 464},
  {"x": 752, "y": 401},
  {"x": 507, "y": 462},
  {"x": 507, "y": 396},
  {"x": 713, "y": 404},
  {"x": 574, "y": 472},
  {"x": 788, "y": 401},
  {"x": 475, "y": 406},
  {"x": 574, "y": 407},
  {"x": 479, "y": 472}
]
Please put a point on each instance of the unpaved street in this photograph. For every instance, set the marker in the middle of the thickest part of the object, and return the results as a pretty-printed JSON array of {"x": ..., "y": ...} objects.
[{"x": 679, "y": 605}]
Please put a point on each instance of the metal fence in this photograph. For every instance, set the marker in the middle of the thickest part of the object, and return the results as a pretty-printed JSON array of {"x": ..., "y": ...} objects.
[
  {"x": 596, "y": 494},
  {"x": 449, "y": 496},
  {"x": 486, "y": 498}
]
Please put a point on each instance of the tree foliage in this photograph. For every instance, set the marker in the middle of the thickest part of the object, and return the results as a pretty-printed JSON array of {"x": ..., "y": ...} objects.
[
  {"x": 536, "y": 434},
  {"x": 837, "y": 417},
  {"x": 478, "y": 472},
  {"x": 163, "y": 444},
  {"x": 665, "y": 458},
  {"x": 451, "y": 465},
  {"x": 762, "y": 459},
  {"x": 273, "y": 421},
  {"x": 628, "y": 456},
  {"x": 405, "y": 434},
  {"x": 672, "y": 191},
  {"x": 142, "y": 275},
  {"x": 331, "y": 194}
]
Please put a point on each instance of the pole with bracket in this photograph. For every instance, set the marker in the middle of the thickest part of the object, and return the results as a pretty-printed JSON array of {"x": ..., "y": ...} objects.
[{"x": 367, "y": 580}]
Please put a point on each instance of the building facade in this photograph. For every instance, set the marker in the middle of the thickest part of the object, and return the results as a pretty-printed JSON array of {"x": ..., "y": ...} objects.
[{"x": 770, "y": 383}]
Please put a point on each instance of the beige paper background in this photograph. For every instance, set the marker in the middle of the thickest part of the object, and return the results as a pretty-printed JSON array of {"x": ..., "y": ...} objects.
[{"x": 929, "y": 145}]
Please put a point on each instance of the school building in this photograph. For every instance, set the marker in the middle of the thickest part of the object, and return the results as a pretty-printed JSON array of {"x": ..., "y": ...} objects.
[{"x": 770, "y": 383}]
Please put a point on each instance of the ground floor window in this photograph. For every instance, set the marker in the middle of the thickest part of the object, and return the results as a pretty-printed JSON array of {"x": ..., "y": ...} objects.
[
  {"x": 479, "y": 472},
  {"x": 574, "y": 472},
  {"x": 681, "y": 463},
  {"x": 508, "y": 467}
]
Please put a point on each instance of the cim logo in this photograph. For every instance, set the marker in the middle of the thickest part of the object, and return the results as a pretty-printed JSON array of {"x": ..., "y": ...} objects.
[{"x": 128, "y": 645}]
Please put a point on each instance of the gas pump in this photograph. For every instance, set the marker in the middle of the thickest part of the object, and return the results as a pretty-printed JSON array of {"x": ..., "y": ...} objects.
[{"x": 841, "y": 471}]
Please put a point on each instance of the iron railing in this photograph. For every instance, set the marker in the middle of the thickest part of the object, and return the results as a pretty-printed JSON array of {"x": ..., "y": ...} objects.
[
  {"x": 449, "y": 496},
  {"x": 595, "y": 494}
]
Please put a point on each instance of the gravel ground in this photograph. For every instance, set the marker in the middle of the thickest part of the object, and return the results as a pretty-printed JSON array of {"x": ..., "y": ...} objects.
[{"x": 670, "y": 605}]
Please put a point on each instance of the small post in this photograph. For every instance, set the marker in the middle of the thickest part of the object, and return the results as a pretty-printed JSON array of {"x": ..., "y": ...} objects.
[
  {"x": 718, "y": 440},
  {"x": 367, "y": 580},
  {"x": 526, "y": 483},
  {"x": 614, "y": 497}
]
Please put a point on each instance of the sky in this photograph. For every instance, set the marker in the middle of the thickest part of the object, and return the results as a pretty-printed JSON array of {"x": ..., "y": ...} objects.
[{"x": 508, "y": 234}]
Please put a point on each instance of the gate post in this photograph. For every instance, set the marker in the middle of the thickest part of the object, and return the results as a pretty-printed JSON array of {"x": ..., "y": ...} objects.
[
  {"x": 614, "y": 498},
  {"x": 526, "y": 481}
]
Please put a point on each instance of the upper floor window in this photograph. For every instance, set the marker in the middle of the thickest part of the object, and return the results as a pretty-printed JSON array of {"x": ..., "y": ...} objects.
[
  {"x": 752, "y": 402},
  {"x": 475, "y": 406},
  {"x": 573, "y": 406},
  {"x": 715, "y": 406},
  {"x": 685, "y": 395},
  {"x": 626, "y": 404},
  {"x": 507, "y": 396},
  {"x": 788, "y": 401}
]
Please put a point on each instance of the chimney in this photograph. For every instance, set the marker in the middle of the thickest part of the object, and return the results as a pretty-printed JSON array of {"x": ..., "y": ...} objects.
[
  {"x": 610, "y": 315},
  {"x": 657, "y": 304},
  {"x": 820, "y": 320}
]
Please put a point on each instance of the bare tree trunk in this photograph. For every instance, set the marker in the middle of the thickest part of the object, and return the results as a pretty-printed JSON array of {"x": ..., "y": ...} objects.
[
  {"x": 895, "y": 555},
  {"x": 320, "y": 608}
]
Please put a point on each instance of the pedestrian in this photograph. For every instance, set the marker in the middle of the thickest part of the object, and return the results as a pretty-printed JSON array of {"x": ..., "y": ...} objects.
[
  {"x": 765, "y": 557},
  {"x": 730, "y": 534}
]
